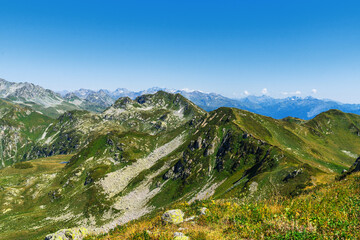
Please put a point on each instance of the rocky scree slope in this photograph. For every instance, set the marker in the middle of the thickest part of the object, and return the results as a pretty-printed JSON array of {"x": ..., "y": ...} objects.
[{"x": 329, "y": 211}]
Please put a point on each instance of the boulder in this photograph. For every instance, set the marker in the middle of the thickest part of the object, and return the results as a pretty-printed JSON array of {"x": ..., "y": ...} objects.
[
  {"x": 192, "y": 218},
  {"x": 68, "y": 234},
  {"x": 180, "y": 236},
  {"x": 253, "y": 187},
  {"x": 174, "y": 216},
  {"x": 204, "y": 211}
]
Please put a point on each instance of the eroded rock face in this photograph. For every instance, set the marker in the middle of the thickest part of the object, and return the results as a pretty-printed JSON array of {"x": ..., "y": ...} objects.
[
  {"x": 293, "y": 174},
  {"x": 356, "y": 166},
  {"x": 225, "y": 147},
  {"x": 175, "y": 216},
  {"x": 68, "y": 234}
]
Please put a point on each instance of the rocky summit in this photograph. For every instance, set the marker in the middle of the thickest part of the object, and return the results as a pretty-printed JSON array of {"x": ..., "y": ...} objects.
[{"x": 139, "y": 156}]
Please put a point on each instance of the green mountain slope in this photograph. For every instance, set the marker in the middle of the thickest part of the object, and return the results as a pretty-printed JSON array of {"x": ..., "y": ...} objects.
[
  {"x": 20, "y": 129},
  {"x": 144, "y": 154},
  {"x": 330, "y": 211},
  {"x": 329, "y": 142}
]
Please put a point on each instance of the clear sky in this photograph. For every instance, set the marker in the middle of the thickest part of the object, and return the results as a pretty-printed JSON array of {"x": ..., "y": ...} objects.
[{"x": 232, "y": 47}]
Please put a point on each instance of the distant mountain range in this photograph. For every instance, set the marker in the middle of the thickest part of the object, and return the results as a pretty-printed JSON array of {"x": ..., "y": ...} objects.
[
  {"x": 304, "y": 108},
  {"x": 53, "y": 104}
]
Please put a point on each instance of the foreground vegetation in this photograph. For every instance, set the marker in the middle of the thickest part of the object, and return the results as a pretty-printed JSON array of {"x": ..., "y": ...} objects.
[{"x": 331, "y": 211}]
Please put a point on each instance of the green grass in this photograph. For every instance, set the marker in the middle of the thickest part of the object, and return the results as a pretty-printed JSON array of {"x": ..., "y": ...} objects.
[
  {"x": 22, "y": 128},
  {"x": 330, "y": 211},
  {"x": 23, "y": 165},
  {"x": 235, "y": 147},
  {"x": 21, "y": 194},
  {"x": 318, "y": 142}
]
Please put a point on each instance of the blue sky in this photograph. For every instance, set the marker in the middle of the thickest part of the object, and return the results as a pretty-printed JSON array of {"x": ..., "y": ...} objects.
[{"x": 233, "y": 47}]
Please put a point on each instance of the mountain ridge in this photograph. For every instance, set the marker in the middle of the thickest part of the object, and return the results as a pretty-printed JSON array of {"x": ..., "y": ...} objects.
[{"x": 141, "y": 155}]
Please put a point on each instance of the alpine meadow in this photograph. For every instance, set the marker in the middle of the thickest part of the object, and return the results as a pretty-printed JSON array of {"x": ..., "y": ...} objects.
[{"x": 179, "y": 120}]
